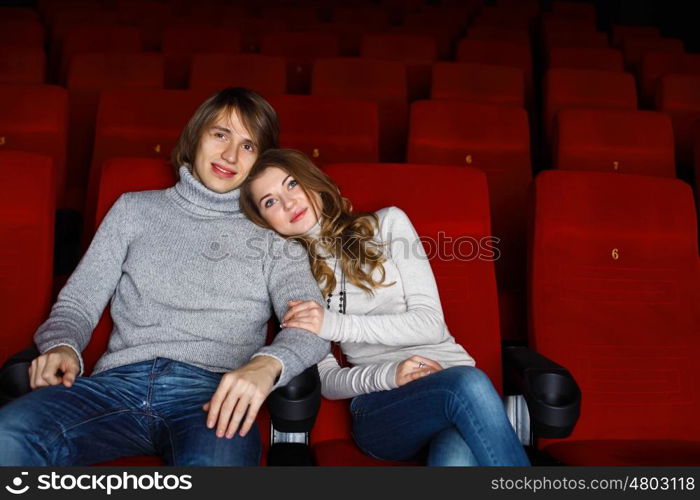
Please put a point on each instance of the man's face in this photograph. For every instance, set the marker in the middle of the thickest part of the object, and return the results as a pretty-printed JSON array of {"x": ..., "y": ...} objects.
[{"x": 225, "y": 154}]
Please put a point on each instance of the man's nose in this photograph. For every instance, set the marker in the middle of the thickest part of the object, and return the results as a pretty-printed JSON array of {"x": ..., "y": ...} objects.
[{"x": 230, "y": 153}]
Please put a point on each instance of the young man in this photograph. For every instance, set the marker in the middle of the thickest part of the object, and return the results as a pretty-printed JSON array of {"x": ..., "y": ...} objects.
[{"x": 186, "y": 369}]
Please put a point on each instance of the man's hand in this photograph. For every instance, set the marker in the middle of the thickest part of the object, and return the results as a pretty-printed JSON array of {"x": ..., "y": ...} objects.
[
  {"x": 241, "y": 393},
  {"x": 304, "y": 314},
  {"x": 414, "y": 368},
  {"x": 44, "y": 370}
]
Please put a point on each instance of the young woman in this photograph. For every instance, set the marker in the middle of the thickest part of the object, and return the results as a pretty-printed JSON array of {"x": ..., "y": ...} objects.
[
  {"x": 186, "y": 363},
  {"x": 414, "y": 389}
]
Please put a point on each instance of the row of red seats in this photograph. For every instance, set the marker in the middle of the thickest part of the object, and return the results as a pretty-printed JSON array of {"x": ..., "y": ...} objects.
[
  {"x": 495, "y": 139},
  {"x": 180, "y": 41},
  {"x": 610, "y": 298},
  {"x": 381, "y": 82}
]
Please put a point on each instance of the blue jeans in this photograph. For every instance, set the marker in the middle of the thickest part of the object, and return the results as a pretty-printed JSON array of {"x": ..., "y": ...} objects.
[
  {"x": 452, "y": 417},
  {"x": 148, "y": 408}
]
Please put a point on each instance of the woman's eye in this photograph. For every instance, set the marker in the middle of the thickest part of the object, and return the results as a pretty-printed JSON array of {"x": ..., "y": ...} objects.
[
  {"x": 292, "y": 184},
  {"x": 219, "y": 135},
  {"x": 269, "y": 203},
  {"x": 249, "y": 147}
]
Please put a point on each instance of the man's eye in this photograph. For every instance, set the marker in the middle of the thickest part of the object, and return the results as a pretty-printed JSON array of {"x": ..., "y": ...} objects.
[{"x": 219, "y": 135}]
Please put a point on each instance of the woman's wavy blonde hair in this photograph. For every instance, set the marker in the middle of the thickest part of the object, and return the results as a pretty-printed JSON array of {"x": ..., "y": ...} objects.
[{"x": 344, "y": 234}]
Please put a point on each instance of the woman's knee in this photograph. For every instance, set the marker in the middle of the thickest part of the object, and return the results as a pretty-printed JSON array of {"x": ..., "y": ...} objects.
[{"x": 470, "y": 383}]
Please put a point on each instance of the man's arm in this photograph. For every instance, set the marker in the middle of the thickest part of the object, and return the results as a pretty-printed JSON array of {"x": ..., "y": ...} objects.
[
  {"x": 81, "y": 302},
  {"x": 289, "y": 279},
  {"x": 241, "y": 392}
]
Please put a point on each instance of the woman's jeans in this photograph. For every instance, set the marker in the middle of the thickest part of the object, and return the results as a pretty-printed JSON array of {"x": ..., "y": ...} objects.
[
  {"x": 148, "y": 408},
  {"x": 455, "y": 415}
]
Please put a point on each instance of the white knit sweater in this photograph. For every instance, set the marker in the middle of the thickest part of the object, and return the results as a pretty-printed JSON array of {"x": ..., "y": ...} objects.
[{"x": 378, "y": 332}]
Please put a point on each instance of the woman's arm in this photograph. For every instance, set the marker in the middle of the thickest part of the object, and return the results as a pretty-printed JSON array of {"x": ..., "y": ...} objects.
[
  {"x": 422, "y": 322},
  {"x": 343, "y": 383},
  {"x": 88, "y": 290}
]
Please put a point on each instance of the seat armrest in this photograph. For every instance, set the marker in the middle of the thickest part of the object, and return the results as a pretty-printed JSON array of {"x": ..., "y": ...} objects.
[
  {"x": 552, "y": 395},
  {"x": 14, "y": 375},
  {"x": 293, "y": 407}
]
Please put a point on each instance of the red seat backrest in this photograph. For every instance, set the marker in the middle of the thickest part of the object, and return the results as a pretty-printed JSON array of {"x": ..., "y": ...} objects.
[
  {"x": 615, "y": 290},
  {"x": 27, "y": 208}
]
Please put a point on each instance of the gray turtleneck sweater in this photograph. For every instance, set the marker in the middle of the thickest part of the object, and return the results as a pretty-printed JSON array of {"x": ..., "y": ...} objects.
[{"x": 189, "y": 278}]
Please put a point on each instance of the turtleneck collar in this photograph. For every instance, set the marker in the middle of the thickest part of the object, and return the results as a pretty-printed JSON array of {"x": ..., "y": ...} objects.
[
  {"x": 206, "y": 200},
  {"x": 315, "y": 231}
]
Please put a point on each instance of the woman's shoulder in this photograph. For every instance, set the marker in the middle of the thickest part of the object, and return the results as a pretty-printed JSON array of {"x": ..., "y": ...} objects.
[{"x": 392, "y": 220}]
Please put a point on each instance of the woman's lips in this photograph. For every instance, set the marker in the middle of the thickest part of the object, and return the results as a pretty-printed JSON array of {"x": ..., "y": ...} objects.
[
  {"x": 221, "y": 171},
  {"x": 299, "y": 215}
]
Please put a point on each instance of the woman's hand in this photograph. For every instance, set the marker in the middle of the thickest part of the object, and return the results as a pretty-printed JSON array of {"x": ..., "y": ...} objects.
[
  {"x": 414, "y": 368},
  {"x": 304, "y": 314}
]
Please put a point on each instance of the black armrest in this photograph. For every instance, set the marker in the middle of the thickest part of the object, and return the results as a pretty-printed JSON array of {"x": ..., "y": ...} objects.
[
  {"x": 552, "y": 395},
  {"x": 293, "y": 408},
  {"x": 14, "y": 375}
]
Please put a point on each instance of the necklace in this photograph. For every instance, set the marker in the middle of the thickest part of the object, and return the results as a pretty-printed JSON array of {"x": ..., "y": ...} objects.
[{"x": 342, "y": 300}]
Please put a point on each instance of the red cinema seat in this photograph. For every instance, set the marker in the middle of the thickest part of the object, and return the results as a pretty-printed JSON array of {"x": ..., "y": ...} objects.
[
  {"x": 679, "y": 97},
  {"x": 27, "y": 207},
  {"x": 374, "y": 16},
  {"x": 452, "y": 20},
  {"x": 619, "y": 32},
  {"x": 267, "y": 75},
  {"x": 494, "y": 139},
  {"x": 293, "y": 15},
  {"x": 28, "y": 33},
  {"x": 577, "y": 88},
  {"x": 634, "y": 49},
  {"x": 553, "y": 25},
  {"x": 181, "y": 43},
  {"x": 515, "y": 16},
  {"x": 485, "y": 83},
  {"x": 349, "y": 35},
  {"x": 91, "y": 39},
  {"x": 501, "y": 54},
  {"x": 329, "y": 129},
  {"x": 657, "y": 64},
  {"x": 65, "y": 19},
  {"x": 90, "y": 74},
  {"x": 143, "y": 123},
  {"x": 602, "y": 59},
  {"x": 614, "y": 294},
  {"x": 419, "y": 52},
  {"x": 300, "y": 49},
  {"x": 449, "y": 204},
  {"x": 499, "y": 34},
  {"x": 122, "y": 175},
  {"x": 575, "y": 10},
  {"x": 383, "y": 82},
  {"x": 574, "y": 38},
  {"x": 18, "y": 13},
  {"x": 20, "y": 65},
  {"x": 34, "y": 118},
  {"x": 445, "y": 41},
  {"x": 604, "y": 140},
  {"x": 150, "y": 18}
]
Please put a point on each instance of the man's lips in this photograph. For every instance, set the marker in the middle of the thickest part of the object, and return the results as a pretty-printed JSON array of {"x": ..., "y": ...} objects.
[
  {"x": 222, "y": 171},
  {"x": 298, "y": 215}
]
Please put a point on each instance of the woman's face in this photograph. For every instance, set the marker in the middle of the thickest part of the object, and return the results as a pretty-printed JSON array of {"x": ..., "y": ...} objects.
[{"x": 283, "y": 204}]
